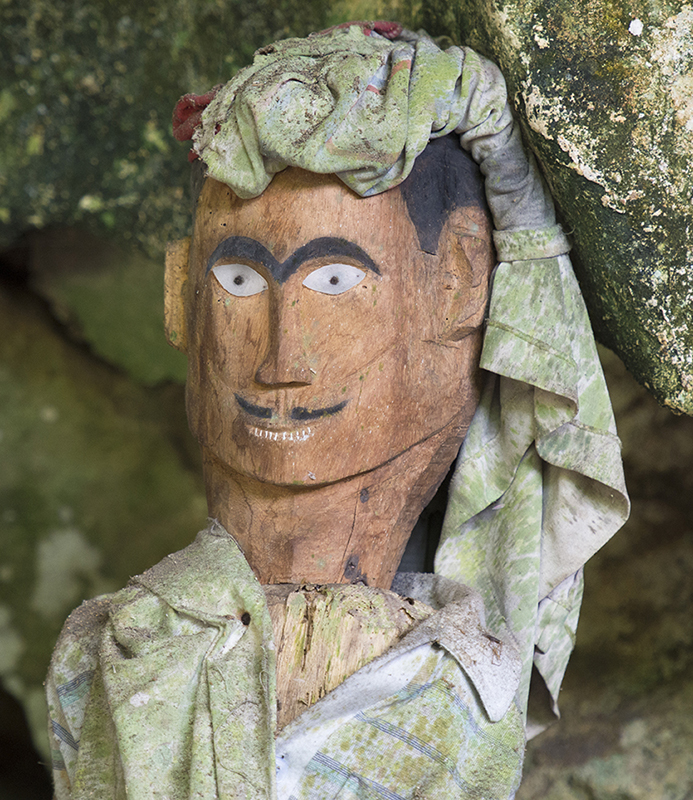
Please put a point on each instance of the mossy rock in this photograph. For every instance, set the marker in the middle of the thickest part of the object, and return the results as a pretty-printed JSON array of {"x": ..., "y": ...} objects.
[
  {"x": 87, "y": 89},
  {"x": 109, "y": 296}
]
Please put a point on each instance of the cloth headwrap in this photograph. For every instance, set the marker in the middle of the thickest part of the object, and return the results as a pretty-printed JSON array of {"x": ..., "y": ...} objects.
[{"x": 538, "y": 486}]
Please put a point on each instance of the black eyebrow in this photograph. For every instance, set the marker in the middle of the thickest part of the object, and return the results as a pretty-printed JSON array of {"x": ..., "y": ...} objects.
[
  {"x": 327, "y": 246},
  {"x": 251, "y": 250},
  {"x": 243, "y": 247}
]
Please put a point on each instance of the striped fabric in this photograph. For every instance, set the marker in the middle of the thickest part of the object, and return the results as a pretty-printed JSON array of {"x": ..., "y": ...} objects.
[{"x": 431, "y": 740}]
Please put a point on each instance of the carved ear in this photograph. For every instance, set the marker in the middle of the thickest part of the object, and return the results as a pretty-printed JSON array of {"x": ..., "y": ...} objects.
[
  {"x": 471, "y": 259},
  {"x": 177, "y": 260}
]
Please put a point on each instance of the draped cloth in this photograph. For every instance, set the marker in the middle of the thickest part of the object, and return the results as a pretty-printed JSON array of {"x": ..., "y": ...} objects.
[{"x": 166, "y": 690}]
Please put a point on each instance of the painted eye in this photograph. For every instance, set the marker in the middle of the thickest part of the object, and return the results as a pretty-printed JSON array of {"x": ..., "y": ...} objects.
[
  {"x": 334, "y": 278},
  {"x": 239, "y": 279}
]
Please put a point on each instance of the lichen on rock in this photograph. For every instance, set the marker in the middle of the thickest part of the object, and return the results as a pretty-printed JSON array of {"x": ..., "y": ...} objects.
[
  {"x": 604, "y": 94},
  {"x": 87, "y": 89}
]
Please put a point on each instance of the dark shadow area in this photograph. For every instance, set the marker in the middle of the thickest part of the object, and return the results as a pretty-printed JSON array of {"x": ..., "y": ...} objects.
[{"x": 22, "y": 775}]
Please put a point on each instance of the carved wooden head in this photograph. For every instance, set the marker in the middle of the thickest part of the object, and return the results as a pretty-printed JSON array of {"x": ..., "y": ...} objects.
[{"x": 323, "y": 340}]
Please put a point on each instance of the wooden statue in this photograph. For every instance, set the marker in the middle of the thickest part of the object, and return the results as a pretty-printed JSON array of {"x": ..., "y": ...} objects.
[
  {"x": 331, "y": 378},
  {"x": 332, "y": 303}
]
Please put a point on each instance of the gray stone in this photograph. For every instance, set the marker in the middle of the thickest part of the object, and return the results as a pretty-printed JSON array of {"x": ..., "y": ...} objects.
[
  {"x": 604, "y": 91},
  {"x": 99, "y": 479}
]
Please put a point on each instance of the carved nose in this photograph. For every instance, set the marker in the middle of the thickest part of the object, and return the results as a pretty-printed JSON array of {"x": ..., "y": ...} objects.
[
  {"x": 283, "y": 366},
  {"x": 285, "y": 361}
]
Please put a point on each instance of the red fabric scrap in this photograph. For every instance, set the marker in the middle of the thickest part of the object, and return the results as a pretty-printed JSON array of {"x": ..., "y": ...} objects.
[
  {"x": 187, "y": 114},
  {"x": 390, "y": 30}
]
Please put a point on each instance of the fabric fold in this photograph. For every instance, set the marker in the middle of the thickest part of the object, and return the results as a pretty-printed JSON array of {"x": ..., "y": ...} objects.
[
  {"x": 369, "y": 107},
  {"x": 180, "y": 697},
  {"x": 538, "y": 486}
]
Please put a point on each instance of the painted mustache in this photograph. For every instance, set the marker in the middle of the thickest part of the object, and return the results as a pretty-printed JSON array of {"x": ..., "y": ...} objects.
[{"x": 298, "y": 413}]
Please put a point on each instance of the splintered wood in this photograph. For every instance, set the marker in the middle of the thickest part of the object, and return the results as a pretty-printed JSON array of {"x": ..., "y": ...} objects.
[{"x": 323, "y": 634}]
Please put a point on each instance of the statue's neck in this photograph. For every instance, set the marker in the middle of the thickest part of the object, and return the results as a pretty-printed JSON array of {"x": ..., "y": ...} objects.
[{"x": 351, "y": 531}]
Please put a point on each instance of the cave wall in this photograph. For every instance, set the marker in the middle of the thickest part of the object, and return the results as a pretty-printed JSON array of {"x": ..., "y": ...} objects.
[{"x": 603, "y": 90}]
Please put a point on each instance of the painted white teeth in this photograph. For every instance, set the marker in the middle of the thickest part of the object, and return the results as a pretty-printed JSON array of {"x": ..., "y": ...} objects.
[{"x": 282, "y": 436}]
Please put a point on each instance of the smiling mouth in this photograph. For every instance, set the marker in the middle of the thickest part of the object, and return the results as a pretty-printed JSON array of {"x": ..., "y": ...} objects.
[
  {"x": 297, "y": 414},
  {"x": 282, "y": 436}
]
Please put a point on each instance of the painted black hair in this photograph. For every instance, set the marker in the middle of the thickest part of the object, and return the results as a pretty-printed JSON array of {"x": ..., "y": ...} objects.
[{"x": 444, "y": 177}]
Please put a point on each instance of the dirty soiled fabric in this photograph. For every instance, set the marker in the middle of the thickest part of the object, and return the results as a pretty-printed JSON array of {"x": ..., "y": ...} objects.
[
  {"x": 539, "y": 484},
  {"x": 161, "y": 690},
  {"x": 166, "y": 689}
]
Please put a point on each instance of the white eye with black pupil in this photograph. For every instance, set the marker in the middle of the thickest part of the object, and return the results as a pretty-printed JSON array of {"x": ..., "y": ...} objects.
[
  {"x": 334, "y": 278},
  {"x": 239, "y": 279}
]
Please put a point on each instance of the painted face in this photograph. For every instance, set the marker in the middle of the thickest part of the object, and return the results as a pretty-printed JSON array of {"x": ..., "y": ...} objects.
[{"x": 321, "y": 341}]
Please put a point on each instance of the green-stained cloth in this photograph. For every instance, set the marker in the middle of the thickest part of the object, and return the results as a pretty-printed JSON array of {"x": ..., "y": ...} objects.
[
  {"x": 166, "y": 690},
  {"x": 538, "y": 487},
  {"x": 539, "y": 483},
  {"x": 355, "y": 104},
  {"x": 162, "y": 691}
]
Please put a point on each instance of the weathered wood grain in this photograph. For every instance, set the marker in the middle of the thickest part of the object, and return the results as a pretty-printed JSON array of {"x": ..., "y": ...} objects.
[{"x": 323, "y": 634}]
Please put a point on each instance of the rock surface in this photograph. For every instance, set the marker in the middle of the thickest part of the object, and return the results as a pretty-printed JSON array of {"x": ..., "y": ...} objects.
[
  {"x": 87, "y": 89},
  {"x": 108, "y": 296},
  {"x": 99, "y": 479},
  {"x": 604, "y": 90}
]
